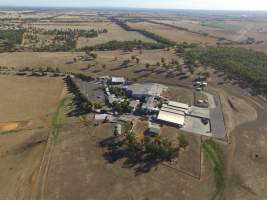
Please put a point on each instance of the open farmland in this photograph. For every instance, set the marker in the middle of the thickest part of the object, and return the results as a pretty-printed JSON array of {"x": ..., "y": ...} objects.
[
  {"x": 114, "y": 32},
  {"x": 236, "y": 31},
  {"x": 78, "y": 156},
  {"x": 64, "y": 61},
  {"x": 27, "y": 98},
  {"x": 84, "y": 123},
  {"x": 27, "y": 107},
  {"x": 172, "y": 33}
]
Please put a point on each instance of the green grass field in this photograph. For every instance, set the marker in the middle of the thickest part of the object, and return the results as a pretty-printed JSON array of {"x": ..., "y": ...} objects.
[
  {"x": 212, "y": 149},
  {"x": 59, "y": 114}
]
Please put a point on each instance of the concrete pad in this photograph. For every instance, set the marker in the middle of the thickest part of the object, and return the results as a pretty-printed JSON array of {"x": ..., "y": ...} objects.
[
  {"x": 195, "y": 125},
  {"x": 199, "y": 112}
]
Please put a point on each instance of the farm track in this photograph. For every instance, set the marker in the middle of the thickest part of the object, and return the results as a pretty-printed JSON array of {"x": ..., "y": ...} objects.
[
  {"x": 235, "y": 145},
  {"x": 39, "y": 190}
]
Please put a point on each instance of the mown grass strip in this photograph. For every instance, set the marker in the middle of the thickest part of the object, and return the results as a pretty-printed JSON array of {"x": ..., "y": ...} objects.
[
  {"x": 58, "y": 116},
  {"x": 213, "y": 151}
]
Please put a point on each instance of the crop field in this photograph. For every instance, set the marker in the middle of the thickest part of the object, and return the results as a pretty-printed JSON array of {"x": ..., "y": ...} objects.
[{"x": 172, "y": 34}]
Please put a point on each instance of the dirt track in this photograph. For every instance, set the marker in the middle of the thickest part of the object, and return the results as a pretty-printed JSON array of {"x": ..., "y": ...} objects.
[{"x": 246, "y": 162}]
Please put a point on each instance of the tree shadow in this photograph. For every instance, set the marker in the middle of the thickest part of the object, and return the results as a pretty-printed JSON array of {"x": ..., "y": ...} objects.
[
  {"x": 78, "y": 109},
  {"x": 138, "y": 160}
]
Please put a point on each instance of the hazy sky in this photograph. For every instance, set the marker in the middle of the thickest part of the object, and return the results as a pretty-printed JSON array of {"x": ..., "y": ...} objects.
[{"x": 179, "y": 4}]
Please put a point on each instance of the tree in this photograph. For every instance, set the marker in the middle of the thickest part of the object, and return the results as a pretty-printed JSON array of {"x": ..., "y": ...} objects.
[
  {"x": 40, "y": 69},
  {"x": 57, "y": 70},
  {"x": 183, "y": 143},
  {"x": 126, "y": 62},
  {"x": 132, "y": 57},
  {"x": 147, "y": 65},
  {"x": 191, "y": 69},
  {"x": 132, "y": 143},
  {"x": 104, "y": 66},
  {"x": 93, "y": 55},
  {"x": 137, "y": 60},
  {"x": 178, "y": 67},
  {"x": 162, "y": 60}
]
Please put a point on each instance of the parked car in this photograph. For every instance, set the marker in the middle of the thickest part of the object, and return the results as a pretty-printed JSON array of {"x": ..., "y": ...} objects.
[{"x": 205, "y": 121}]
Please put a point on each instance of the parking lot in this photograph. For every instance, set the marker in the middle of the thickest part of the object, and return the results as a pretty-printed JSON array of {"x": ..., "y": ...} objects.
[{"x": 91, "y": 89}]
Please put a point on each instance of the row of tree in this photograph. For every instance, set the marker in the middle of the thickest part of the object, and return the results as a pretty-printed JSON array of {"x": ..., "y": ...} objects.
[
  {"x": 76, "y": 32},
  {"x": 148, "y": 34},
  {"x": 9, "y": 39},
  {"x": 244, "y": 64},
  {"x": 124, "y": 45},
  {"x": 158, "y": 148}
]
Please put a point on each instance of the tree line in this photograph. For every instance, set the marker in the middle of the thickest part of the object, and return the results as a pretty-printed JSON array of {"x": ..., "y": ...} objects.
[
  {"x": 124, "y": 45},
  {"x": 9, "y": 39},
  {"x": 244, "y": 64},
  {"x": 148, "y": 34}
]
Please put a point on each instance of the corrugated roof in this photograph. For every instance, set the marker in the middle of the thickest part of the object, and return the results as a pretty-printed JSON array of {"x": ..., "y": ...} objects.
[
  {"x": 117, "y": 80},
  {"x": 171, "y": 117},
  {"x": 147, "y": 89},
  {"x": 165, "y": 106},
  {"x": 178, "y": 104},
  {"x": 173, "y": 111}
]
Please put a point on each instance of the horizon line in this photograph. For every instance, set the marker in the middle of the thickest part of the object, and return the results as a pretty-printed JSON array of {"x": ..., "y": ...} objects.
[{"x": 127, "y": 7}]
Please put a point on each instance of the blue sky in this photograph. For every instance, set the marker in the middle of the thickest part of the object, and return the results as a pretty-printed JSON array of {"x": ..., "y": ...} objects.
[{"x": 178, "y": 4}]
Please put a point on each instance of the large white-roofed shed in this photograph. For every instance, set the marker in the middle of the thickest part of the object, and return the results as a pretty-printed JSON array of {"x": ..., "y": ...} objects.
[{"x": 173, "y": 118}]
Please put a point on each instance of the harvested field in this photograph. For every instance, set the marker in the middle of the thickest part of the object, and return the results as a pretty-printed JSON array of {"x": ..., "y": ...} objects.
[
  {"x": 61, "y": 60},
  {"x": 27, "y": 107},
  {"x": 64, "y": 61},
  {"x": 172, "y": 33},
  {"x": 114, "y": 32},
  {"x": 233, "y": 30},
  {"x": 28, "y": 98}
]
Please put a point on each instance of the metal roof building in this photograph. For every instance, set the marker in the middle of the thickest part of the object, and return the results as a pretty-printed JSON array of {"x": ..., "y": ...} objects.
[
  {"x": 141, "y": 91},
  {"x": 174, "y": 112},
  {"x": 178, "y": 105},
  {"x": 171, "y": 118},
  {"x": 117, "y": 80}
]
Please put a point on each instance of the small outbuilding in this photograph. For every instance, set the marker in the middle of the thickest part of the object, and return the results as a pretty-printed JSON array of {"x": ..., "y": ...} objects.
[
  {"x": 117, "y": 81},
  {"x": 154, "y": 129}
]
